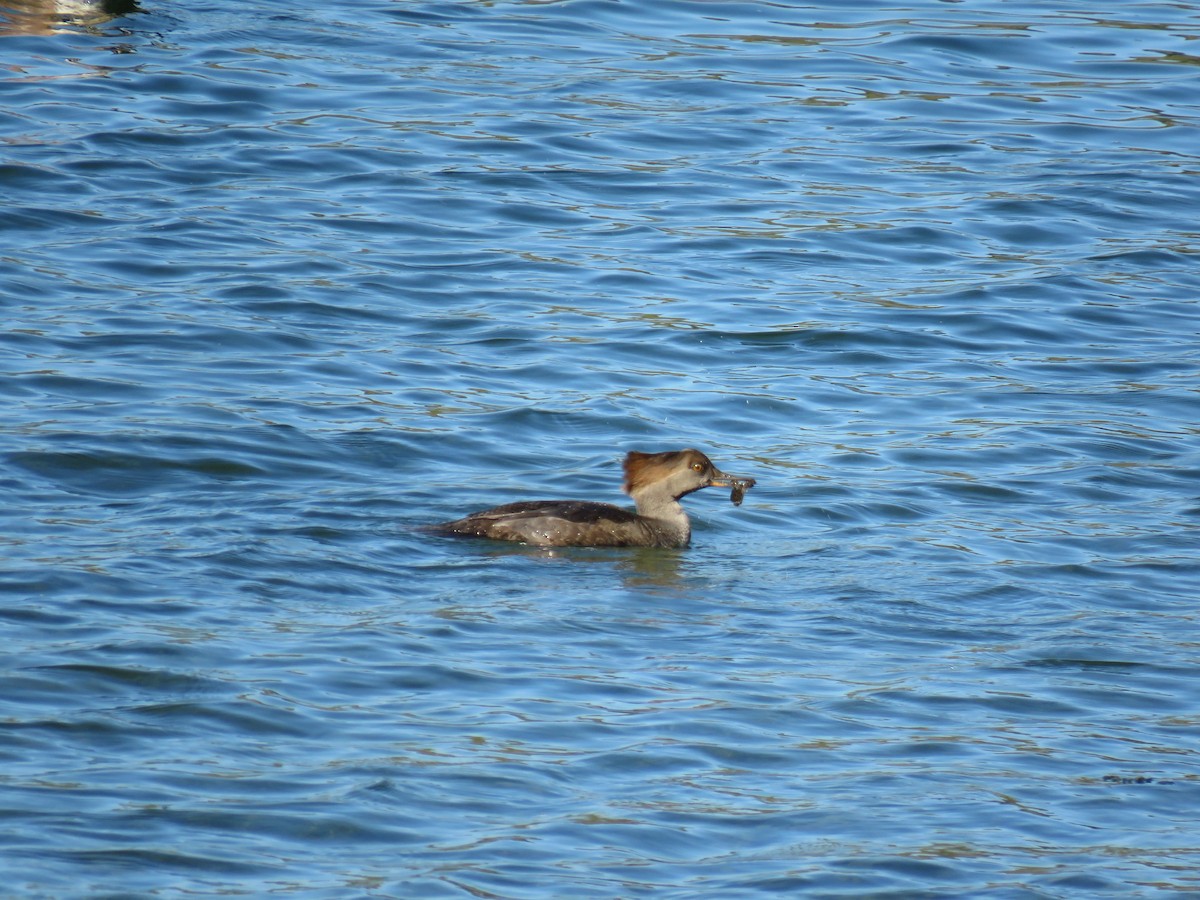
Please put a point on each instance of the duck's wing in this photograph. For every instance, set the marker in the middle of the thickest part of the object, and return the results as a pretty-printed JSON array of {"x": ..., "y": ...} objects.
[{"x": 549, "y": 523}]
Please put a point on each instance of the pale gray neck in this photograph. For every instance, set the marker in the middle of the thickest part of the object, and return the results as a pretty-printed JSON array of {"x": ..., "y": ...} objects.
[{"x": 665, "y": 510}]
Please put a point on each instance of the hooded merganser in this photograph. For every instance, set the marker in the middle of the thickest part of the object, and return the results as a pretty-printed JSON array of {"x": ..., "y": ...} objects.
[{"x": 655, "y": 481}]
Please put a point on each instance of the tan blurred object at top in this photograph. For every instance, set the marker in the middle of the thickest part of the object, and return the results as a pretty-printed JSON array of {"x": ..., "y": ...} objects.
[{"x": 24, "y": 17}]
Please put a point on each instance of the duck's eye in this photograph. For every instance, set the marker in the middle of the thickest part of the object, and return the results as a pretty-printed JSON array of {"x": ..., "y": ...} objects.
[{"x": 697, "y": 467}]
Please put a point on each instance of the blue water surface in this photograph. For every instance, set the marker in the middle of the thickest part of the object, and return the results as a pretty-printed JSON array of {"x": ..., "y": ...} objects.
[{"x": 282, "y": 282}]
